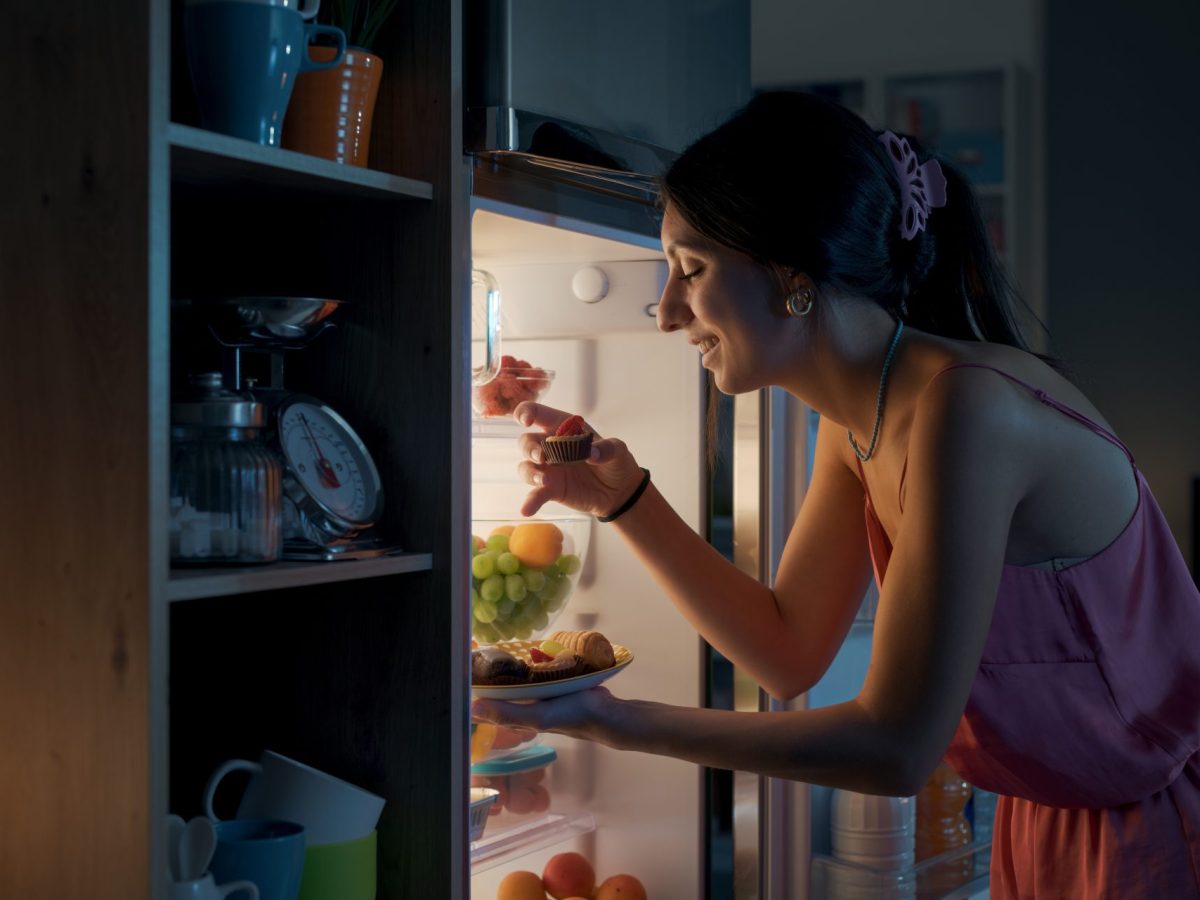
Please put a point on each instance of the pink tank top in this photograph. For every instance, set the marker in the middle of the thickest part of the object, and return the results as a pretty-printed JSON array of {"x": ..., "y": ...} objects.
[{"x": 1084, "y": 714}]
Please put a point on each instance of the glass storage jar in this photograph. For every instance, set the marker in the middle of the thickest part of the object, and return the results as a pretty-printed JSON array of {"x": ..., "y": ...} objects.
[{"x": 226, "y": 483}]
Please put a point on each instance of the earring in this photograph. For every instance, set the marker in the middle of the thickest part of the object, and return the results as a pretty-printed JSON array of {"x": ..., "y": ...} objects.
[{"x": 800, "y": 303}]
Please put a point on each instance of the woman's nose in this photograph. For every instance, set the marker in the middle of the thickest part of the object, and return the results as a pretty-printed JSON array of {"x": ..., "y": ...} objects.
[{"x": 673, "y": 313}]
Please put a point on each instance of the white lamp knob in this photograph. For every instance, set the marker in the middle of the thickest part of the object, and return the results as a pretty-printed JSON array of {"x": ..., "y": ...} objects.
[{"x": 590, "y": 284}]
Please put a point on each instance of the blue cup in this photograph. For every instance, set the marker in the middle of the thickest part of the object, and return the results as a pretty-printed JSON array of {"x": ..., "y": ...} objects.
[
  {"x": 269, "y": 853},
  {"x": 244, "y": 56}
]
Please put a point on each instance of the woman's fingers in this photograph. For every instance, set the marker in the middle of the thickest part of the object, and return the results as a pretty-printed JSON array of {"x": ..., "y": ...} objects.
[
  {"x": 530, "y": 445},
  {"x": 512, "y": 715},
  {"x": 537, "y": 415},
  {"x": 547, "y": 485},
  {"x": 577, "y": 715}
]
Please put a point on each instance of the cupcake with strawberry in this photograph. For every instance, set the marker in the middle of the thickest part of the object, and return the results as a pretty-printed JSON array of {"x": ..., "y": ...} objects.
[{"x": 570, "y": 443}]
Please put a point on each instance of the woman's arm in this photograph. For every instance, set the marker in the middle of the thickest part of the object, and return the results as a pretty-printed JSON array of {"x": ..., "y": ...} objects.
[
  {"x": 968, "y": 468},
  {"x": 784, "y": 638}
]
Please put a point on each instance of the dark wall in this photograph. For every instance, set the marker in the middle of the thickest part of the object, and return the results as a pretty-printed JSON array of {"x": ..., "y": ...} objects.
[{"x": 1122, "y": 226}]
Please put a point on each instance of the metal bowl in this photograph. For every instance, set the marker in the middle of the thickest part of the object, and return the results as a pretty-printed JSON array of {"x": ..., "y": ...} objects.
[{"x": 246, "y": 321}]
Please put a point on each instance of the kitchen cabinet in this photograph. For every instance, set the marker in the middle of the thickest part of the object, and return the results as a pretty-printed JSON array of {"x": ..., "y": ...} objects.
[{"x": 126, "y": 681}]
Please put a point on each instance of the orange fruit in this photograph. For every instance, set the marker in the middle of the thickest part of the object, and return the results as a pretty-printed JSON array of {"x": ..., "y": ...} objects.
[
  {"x": 505, "y": 530},
  {"x": 536, "y": 544},
  {"x": 482, "y": 738},
  {"x": 521, "y": 886},
  {"x": 621, "y": 887},
  {"x": 569, "y": 875}
]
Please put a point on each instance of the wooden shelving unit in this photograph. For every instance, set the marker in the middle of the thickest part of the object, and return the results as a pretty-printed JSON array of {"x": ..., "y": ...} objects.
[
  {"x": 126, "y": 680},
  {"x": 193, "y": 584},
  {"x": 205, "y": 159}
]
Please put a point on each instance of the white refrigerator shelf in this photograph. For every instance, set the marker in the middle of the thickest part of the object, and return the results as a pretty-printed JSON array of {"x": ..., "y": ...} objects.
[{"x": 493, "y": 850}]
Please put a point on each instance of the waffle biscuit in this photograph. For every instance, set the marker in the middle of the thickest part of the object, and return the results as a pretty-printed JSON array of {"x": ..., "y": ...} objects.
[{"x": 591, "y": 646}]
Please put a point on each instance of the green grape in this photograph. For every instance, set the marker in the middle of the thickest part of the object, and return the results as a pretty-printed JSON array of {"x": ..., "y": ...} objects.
[
  {"x": 555, "y": 603},
  {"x": 498, "y": 542},
  {"x": 535, "y": 580},
  {"x": 474, "y": 595},
  {"x": 568, "y": 564},
  {"x": 485, "y": 634},
  {"x": 540, "y": 621},
  {"x": 552, "y": 573},
  {"x": 507, "y": 564},
  {"x": 482, "y": 566},
  {"x": 514, "y": 588},
  {"x": 506, "y": 630},
  {"x": 524, "y": 633},
  {"x": 485, "y": 612},
  {"x": 504, "y": 609},
  {"x": 492, "y": 588}
]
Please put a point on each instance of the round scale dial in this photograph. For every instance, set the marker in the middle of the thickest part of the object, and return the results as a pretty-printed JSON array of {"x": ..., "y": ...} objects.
[{"x": 330, "y": 464}]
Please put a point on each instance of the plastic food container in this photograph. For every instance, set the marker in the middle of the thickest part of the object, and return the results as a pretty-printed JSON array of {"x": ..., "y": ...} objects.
[
  {"x": 523, "y": 572},
  {"x": 496, "y": 399},
  {"x": 490, "y": 742},
  {"x": 483, "y": 800},
  {"x": 521, "y": 780}
]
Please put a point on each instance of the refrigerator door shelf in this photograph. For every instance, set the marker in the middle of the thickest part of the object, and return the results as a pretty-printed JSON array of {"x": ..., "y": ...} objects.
[{"x": 958, "y": 874}]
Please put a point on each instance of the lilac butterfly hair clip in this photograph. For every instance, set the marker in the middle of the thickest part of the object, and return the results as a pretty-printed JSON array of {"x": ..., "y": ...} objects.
[{"x": 922, "y": 187}]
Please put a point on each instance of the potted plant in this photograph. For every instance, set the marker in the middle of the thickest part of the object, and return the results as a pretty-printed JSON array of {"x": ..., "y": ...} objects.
[{"x": 330, "y": 113}]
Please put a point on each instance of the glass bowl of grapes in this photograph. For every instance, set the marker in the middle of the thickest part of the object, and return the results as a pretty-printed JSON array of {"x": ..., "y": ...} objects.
[{"x": 523, "y": 572}]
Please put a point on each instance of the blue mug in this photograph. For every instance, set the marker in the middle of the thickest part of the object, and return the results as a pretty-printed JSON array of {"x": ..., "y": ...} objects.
[
  {"x": 244, "y": 56},
  {"x": 268, "y": 853}
]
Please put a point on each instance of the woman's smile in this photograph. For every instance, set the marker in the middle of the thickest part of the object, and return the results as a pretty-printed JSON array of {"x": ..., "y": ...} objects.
[{"x": 707, "y": 346}]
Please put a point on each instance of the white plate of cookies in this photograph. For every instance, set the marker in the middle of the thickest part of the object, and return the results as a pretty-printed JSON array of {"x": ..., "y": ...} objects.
[{"x": 523, "y": 670}]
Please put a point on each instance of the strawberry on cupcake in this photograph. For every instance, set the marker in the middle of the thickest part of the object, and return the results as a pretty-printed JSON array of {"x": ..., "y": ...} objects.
[{"x": 570, "y": 443}]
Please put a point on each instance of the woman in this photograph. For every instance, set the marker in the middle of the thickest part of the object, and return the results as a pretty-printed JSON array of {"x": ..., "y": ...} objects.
[{"x": 1036, "y": 627}]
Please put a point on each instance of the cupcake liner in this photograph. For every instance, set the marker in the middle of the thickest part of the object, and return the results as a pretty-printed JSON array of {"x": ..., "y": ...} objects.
[
  {"x": 571, "y": 449},
  {"x": 554, "y": 670}
]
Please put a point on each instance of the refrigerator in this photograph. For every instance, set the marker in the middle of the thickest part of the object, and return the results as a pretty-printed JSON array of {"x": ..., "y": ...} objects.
[{"x": 684, "y": 832}]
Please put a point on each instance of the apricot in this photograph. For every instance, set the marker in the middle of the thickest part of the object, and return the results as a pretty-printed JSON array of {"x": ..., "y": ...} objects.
[
  {"x": 536, "y": 544},
  {"x": 569, "y": 875},
  {"x": 621, "y": 887},
  {"x": 541, "y": 798},
  {"x": 505, "y": 530},
  {"x": 521, "y": 886},
  {"x": 521, "y": 800},
  {"x": 483, "y": 736}
]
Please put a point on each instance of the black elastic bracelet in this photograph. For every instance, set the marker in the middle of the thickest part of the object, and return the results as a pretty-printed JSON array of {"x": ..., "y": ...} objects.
[{"x": 628, "y": 504}]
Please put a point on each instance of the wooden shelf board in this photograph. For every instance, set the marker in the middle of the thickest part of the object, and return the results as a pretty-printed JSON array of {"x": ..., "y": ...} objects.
[
  {"x": 192, "y": 584},
  {"x": 205, "y": 158}
]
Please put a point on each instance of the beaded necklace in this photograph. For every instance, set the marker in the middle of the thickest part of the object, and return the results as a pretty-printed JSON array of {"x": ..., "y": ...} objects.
[{"x": 887, "y": 364}]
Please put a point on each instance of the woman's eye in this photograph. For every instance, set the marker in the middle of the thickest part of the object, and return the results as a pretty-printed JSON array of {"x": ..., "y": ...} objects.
[{"x": 684, "y": 276}]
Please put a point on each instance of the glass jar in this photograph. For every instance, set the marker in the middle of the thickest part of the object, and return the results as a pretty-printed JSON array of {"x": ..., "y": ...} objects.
[{"x": 226, "y": 483}]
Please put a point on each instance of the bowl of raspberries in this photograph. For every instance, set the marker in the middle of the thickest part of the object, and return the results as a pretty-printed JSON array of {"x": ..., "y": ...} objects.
[{"x": 516, "y": 382}]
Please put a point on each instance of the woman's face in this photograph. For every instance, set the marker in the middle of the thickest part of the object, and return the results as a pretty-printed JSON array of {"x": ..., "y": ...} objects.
[{"x": 728, "y": 306}]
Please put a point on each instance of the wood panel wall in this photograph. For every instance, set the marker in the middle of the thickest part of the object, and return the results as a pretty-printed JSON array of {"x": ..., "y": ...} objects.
[{"x": 75, "y": 632}]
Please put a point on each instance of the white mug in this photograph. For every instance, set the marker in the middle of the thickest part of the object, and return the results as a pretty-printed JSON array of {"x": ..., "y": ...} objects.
[
  {"x": 207, "y": 889},
  {"x": 331, "y": 810}
]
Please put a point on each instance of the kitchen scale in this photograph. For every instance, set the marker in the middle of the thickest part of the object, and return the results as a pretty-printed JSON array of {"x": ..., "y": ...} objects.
[{"x": 332, "y": 493}]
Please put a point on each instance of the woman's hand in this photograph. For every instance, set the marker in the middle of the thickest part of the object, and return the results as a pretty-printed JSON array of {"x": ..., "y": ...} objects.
[
  {"x": 584, "y": 714},
  {"x": 600, "y": 485}
]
